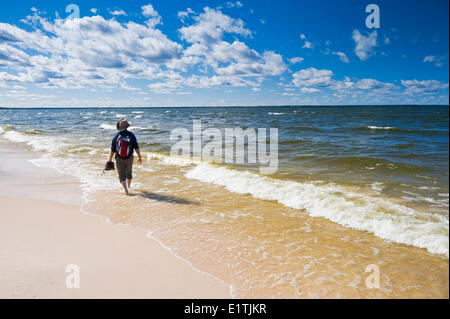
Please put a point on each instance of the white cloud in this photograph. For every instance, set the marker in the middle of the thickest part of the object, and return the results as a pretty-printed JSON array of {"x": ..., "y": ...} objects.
[
  {"x": 165, "y": 87},
  {"x": 118, "y": 13},
  {"x": 237, "y": 4},
  {"x": 423, "y": 87},
  {"x": 312, "y": 77},
  {"x": 220, "y": 81},
  {"x": 309, "y": 90},
  {"x": 269, "y": 63},
  {"x": 307, "y": 45},
  {"x": 372, "y": 84},
  {"x": 435, "y": 59},
  {"x": 90, "y": 51},
  {"x": 184, "y": 14},
  {"x": 295, "y": 60},
  {"x": 149, "y": 11},
  {"x": 234, "y": 64},
  {"x": 94, "y": 10},
  {"x": 210, "y": 27},
  {"x": 153, "y": 16},
  {"x": 364, "y": 44},
  {"x": 309, "y": 80},
  {"x": 347, "y": 86},
  {"x": 342, "y": 56}
]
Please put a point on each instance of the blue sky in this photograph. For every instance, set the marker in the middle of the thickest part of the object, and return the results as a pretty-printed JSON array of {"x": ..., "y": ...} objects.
[{"x": 213, "y": 53}]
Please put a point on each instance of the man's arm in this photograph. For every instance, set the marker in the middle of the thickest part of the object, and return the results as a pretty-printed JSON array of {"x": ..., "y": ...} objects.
[
  {"x": 138, "y": 152},
  {"x": 136, "y": 148},
  {"x": 113, "y": 148}
]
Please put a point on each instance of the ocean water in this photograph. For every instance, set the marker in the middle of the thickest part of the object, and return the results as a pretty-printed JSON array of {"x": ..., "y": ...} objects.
[{"x": 355, "y": 186}]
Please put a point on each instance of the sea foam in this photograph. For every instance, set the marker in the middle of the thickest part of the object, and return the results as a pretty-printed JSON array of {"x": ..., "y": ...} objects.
[
  {"x": 339, "y": 204},
  {"x": 106, "y": 126},
  {"x": 380, "y": 127}
]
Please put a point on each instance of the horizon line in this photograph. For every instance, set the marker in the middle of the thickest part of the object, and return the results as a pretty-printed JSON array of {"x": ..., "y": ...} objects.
[{"x": 216, "y": 106}]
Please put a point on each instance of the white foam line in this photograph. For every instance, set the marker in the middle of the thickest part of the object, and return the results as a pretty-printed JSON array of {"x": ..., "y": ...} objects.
[
  {"x": 170, "y": 250},
  {"x": 172, "y": 160},
  {"x": 231, "y": 288},
  {"x": 341, "y": 205},
  {"x": 380, "y": 127}
]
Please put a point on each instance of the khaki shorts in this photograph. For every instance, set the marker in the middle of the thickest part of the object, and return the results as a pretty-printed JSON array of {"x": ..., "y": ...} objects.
[{"x": 124, "y": 167}]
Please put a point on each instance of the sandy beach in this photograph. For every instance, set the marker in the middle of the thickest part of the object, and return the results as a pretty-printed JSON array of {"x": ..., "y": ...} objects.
[{"x": 39, "y": 238}]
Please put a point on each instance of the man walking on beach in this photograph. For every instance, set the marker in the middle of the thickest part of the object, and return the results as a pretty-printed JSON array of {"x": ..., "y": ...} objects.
[{"x": 123, "y": 144}]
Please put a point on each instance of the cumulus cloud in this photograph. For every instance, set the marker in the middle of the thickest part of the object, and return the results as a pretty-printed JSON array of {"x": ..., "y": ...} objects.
[
  {"x": 149, "y": 11},
  {"x": 90, "y": 51},
  {"x": 165, "y": 87},
  {"x": 307, "y": 44},
  {"x": 312, "y": 77},
  {"x": 342, "y": 56},
  {"x": 233, "y": 63},
  {"x": 372, "y": 84},
  {"x": 435, "y": 59},
  {"x": 311, "y": 80},
  {"x": 94, "y": 10},
  {"x": 295, "y": 60},
  {"x": 210, "y": 27},
  {"x": 237, "y": 4},
  {"x": 368, "y": 86},
  {"x": 118, "y": 13},
  {"x": 269, "y": 63},
  {"x": 153, "y": 16},
  {"x": 423, "y": 87},
  {"x": 105, "y": 53},
  {"x": 309, "y": 90},
  {"x": 184, "y": 14},
  {"x": 364, "y": 45}
]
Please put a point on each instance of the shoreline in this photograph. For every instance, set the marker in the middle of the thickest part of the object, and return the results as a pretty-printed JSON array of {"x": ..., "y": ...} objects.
[{"x": 40, "y": 237}]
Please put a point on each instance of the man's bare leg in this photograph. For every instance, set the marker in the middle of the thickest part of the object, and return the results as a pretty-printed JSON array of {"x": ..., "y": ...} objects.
[
  {"x": 129, "y": 182},
  {"x": 124, "y": 184}
]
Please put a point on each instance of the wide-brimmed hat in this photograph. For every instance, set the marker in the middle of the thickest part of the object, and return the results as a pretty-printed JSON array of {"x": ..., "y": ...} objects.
[{"x": 123, "y": 124}]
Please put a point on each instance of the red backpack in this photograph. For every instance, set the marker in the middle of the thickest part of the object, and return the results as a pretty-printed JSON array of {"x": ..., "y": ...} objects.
[{"x": 123, "y": 146}]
